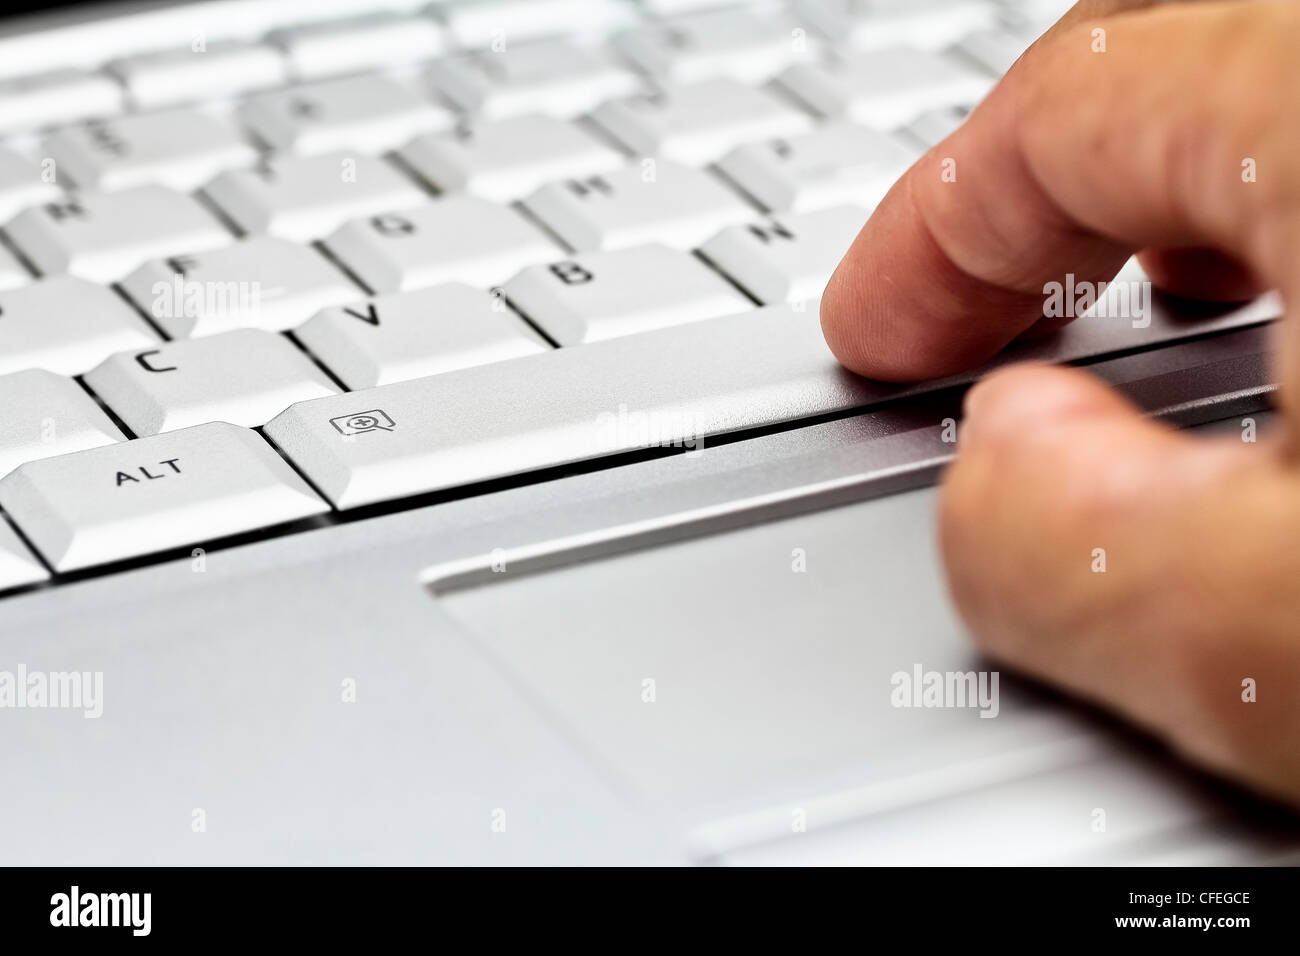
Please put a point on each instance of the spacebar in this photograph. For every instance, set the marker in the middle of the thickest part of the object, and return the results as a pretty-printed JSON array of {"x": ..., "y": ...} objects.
[{"x": 670, "y": 388}]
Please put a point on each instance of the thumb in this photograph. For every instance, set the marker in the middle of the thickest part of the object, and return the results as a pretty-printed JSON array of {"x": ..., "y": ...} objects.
[{"x": 1145, "y": 571}]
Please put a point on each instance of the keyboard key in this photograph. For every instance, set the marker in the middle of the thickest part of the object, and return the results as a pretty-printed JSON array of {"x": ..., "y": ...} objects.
[
  {"x": 167, "y": 491},
  {"x": 457, "y": 238},
  {"x": 18, "y": 566},
  {"x": 245, "y": 377},
  {"x": 391, "y": 338},
  {"x": 487, "y": 23},
  {"x": 674, "y": 385},
  {"x": 925, "y": 24},
  {"x": 103, "y": 236},
  {"x": 306, "y": 198},
  {"x": 836, "y": 163},
  {"x": 89, "y": 43},
  {"x": 650, "y": 201},
  {"x": 932, "y": 126},
  {"x": 378, "y": 41},
  {"x": 996, "y": 49},
  {"x": 1036, "y": 16},
  {"x": 602, "y": 295},
  {"x": 66, "y": 325},
  {"x": 671, "y": 8},
  {"x": 12, "y": 272},
  {"x": 887, "y": 88},
  {"x": 218, "y": 71},
  {"x": 47, "y": 414},
  {"x": 261, "y": 282},
  {"x": 371, "y": 114},
  {"x": 23, "y": 184},
  {"x": 696, "y": 124},
  {"x": 503, "y": 160},
  {"x": 51, "y": 99},
  {"x": 789, "y": 259},
  {"x": 567, "y": 405},
  {"x": 747, "y": 46},
  {"x": 555, "y": 77},
  {"x": 177, "y": 148}
]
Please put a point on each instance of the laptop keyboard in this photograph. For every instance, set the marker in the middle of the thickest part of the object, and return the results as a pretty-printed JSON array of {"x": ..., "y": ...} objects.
[{"x": 364, "y": 260}]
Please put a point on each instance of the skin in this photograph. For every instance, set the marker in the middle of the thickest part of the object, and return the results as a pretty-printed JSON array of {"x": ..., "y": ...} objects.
[{"x": 1075, "y": 161}]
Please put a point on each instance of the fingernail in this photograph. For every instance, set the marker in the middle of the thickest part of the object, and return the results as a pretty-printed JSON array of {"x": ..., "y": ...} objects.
[{"x": 1016, "y": 401}]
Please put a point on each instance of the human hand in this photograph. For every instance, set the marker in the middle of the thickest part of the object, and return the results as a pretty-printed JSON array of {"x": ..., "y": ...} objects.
[{"x": 1075, "y": 161}]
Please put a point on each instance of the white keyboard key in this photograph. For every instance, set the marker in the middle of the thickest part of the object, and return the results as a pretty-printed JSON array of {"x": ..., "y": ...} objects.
[
  {"x": 888, "y": 87},
  {"x": 650, "y": 201},
  {"x": 932, "y": 126},
  {"x": 178, "y": 148},
  {"x": 261, "y": 282},
  {"x": 47, "y": 414},
  {"x": 602, "y": 295},
  {"x": 66, "y": 325},
  {"x": 505, "y": 159},
  {"x": 925, "y": 24},
  {"x": 153, "y": 494},
  {"x": 218, "y": 71},
  {"x": 369, "y": 113},
  {"x": 1036, "y": 16},
  {"x": 306, "y": 198},
  {"x": 836, "y": 163},
  {"x": 18, "y": 566},
  {"x": 742, "y": 44},
  {"x": 392, "y": 338},
  {"x": 51, "y": 99},
  {"x": 12, "y": 272},
  {"x": 696, "y": 124},
  {"x": 556, "y": 77},
  {"x": 486, "y": 23},
  {"x": 23, "y": 184},
  {"x": 245, "y": 377},
  {"x": 103, "y": 236},
  {"x": 456, "y": 238},
  {"x": 789, "y": 259},
  {"x": 378, "y": 41},
  {"x": 756, "y": 368},
  {"x": 996, "y": 50},
  {"x": 674, "y": 385},
  {"x": 672, "y": 8}
]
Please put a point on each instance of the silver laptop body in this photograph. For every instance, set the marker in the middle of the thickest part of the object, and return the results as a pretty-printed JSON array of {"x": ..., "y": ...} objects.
[{"x": 441, "y": 550}]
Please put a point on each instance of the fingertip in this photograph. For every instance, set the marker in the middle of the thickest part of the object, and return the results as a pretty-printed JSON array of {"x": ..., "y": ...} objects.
[
  {"x": 1019, "y": 401},
  {"x": 898, "y": 309}
]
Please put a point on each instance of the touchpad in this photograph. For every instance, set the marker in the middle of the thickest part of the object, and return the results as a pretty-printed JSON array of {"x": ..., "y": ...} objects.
[{"x": 813, "y": 654}]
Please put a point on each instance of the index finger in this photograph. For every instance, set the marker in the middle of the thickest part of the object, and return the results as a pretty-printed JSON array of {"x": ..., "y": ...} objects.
[{"x": 1085, "y": 153}]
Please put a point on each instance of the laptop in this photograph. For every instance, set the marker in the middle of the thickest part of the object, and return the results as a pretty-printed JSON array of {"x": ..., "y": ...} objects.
[{"x": 419, "y": 447}]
